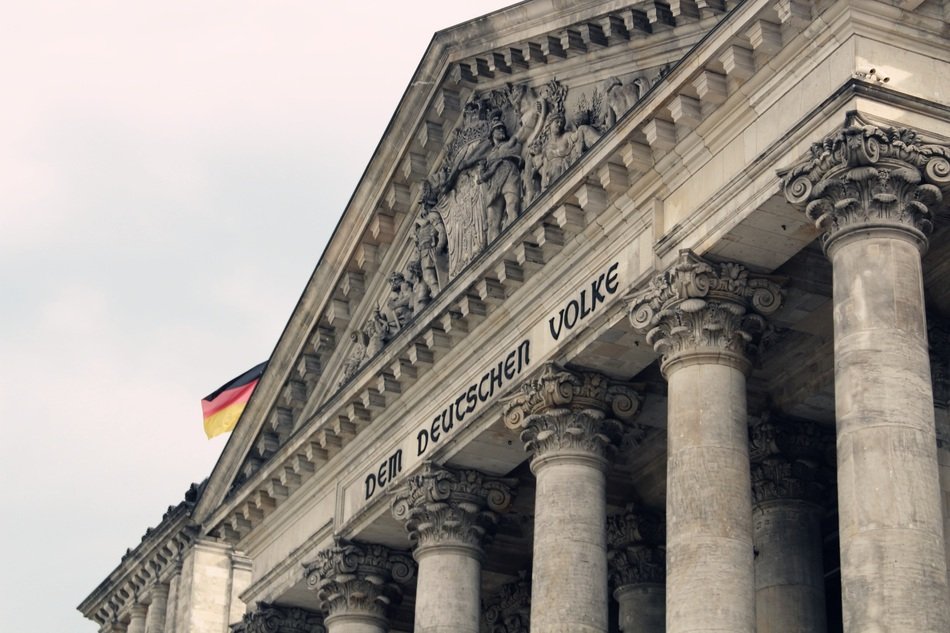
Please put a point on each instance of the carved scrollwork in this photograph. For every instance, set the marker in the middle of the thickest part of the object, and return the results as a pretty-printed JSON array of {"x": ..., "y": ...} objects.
[
  {"x": 354, "y": 577},
  {"x": 442, "y": 505},
  {"x": 697, "y": 305},
  {"x": 865, "y": 174},
  {"x": 786, "y": 458},
  {"x": 509, "y": 610},
  {"x": 635, "y": 553},
  {"x": 270, "y": 618}
]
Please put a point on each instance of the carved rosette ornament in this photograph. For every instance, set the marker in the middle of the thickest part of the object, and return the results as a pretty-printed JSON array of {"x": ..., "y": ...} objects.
[
  {"x": 574, "y": 411},
  {"x": 270, "y": 618},
  {"x": 635, "y": 552},
  {"x": 358, "y": 578},
  {"x": 867, "y": 176},
  {"x": 509, "y": 610},
  {"x": 701, "y": 307},
  {"x": 786, "y": 461},
  {"x": 443, "y": 506}
]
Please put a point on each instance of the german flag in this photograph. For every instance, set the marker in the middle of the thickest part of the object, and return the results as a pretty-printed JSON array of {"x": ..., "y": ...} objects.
[{"x": 223, "y": 407}]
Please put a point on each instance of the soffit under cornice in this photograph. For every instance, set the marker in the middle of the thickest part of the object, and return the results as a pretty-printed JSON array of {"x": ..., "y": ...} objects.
[{"x": 450, "y": 48}]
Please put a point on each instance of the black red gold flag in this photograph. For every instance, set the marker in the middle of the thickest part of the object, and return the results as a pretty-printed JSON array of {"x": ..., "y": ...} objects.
[{"x": 223, "y": 407}]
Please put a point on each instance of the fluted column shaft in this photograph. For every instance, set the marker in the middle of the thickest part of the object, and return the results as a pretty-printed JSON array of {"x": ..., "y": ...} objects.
[
  {"x": 155, "y": 618},
  {"x": 709, "y": 506},
  {"x": 871, "y": 190},
  {"x": 137, "y": 618},
  {"x": 450, "y": 515},
  {"x": 703, "y": 317},
  {"x": 564, "y": 423}
]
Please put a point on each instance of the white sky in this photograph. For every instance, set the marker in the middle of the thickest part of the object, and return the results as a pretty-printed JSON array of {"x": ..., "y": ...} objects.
[{"x": 170, "y": 172}]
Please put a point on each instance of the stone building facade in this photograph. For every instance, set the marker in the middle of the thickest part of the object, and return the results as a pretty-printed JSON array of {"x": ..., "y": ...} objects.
[{"x": 635, "y": 323}]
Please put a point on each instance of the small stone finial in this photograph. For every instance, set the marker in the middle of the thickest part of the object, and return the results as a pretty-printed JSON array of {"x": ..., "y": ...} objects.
[
  {"x": 354, "y": 577},
  {"x": 443, "y": 505},
  {"x": 866, "y": 175},
  {"x": 271, "y": 618},
  {"x": 562, "y": 409},
  {"x": 509, "y": 610},
  {"x": 786, "y": 458},
  {"x": 635, "y": 547},
  {"x": 697, "y": 306}
]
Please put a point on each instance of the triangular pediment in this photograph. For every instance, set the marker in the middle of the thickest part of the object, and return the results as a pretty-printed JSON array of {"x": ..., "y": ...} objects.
[{"x": 501, "y": 110}]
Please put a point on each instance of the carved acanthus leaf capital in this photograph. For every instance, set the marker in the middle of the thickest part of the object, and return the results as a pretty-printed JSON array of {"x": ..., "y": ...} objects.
[
  {"x": 270, "y": 618},
  {"x": 786, "y": 458},
  {"x": 353, "y": 577},
  {"x": 865, "y": 174},
  {"x": 509, "y": 610},
  {"x": 442, "y": 505},
  {"x": 635, "y": 547},
  {"x": 697, "y": 305},
  {"x": 559, "y": 388}
]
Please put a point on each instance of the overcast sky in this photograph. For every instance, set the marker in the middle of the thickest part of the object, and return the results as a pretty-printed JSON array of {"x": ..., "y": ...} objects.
[{"x": 170, "y": 172}]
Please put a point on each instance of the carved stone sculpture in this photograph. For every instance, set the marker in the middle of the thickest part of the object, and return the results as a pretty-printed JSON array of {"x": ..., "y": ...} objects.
[
  {"x": 509, "y": 610},
  {"x": 399, "y": 306},
  {"x": 501, "y": 173},
  {"x": 635, "y": 539},
  {"x": 786, "y": 458},
  {"x": 271, "y": 618},
  {"x": 353, "y": 578}
]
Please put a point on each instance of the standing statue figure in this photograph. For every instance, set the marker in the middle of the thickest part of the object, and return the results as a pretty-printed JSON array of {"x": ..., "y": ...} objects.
[
  {"x": 421, "y": 293},
  {"x": 430, "y": 240},
  {"x": 355, "y": 358},
  {"x": 399, "y": 304},
  {"x": 376, "y": 332},
  {"x": 557, "y": 148},
  {"x": 501, "y": 174}
]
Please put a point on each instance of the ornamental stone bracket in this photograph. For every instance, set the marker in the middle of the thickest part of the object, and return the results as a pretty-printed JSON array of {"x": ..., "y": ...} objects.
[
  {"x": 698, "y": 307},
  {"x": 271, "y": 618},
  {"x": 509, "y": 611},
  {"x": 359, "y": 578},
  {"x": 561, "y": 410},
  {"x": 865, "y": 176},
  {"x": 787, "y": 458},
  {"x": 444, "y": 506},
  {"x": 635, "y": 547}
]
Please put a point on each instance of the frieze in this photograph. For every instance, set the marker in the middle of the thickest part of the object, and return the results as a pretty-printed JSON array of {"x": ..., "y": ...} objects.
[{"x": 866, "y": 174}]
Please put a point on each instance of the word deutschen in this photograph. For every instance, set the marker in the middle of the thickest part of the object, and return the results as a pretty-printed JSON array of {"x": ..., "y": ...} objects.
[{"x": 467, "y": 402}]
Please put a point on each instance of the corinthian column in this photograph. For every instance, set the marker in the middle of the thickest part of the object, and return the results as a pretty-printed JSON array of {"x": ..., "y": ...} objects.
[
  {"x": 509, "y": 611},
  {"x": 703, "y": 318},
  {"x": 357, "y": 584},
  {"x": 637, "y": 569},
  {"x": 786, "y": 519},
  {"x": 564, "y": 423},
  {"x": 871, "y": 191},
  {"x": 450, "y": 515},
  {"x": 270, "y": 618}
]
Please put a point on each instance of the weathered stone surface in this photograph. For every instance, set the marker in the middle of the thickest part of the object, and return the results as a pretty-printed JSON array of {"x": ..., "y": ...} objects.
[
  {"x": 636, "y": 559},
  {"x": 271, "y": 618}
]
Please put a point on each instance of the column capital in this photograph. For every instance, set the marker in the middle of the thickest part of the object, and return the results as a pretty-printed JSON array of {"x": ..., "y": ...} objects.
[
  {"x": 353, "y": 578},
  {"x": 446, "y": 506},
  {"x": 509, "y": 610},
  {"x": 866, "y": 176},
  {"x": 704, "y": 311},
  {"x": 786, "y": 458},
  {"x": 270, "y": 618},
  {"x": 635, "y": 554}
]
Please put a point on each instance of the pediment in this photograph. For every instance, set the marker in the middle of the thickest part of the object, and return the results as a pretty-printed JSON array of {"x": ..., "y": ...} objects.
[{"x": 501, "y": 109}]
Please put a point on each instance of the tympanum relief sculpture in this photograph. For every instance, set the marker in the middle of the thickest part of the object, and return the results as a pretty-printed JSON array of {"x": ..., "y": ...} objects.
[{"x": 510, "y": 146}]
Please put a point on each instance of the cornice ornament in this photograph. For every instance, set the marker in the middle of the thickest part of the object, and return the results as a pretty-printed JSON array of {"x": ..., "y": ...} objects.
[
  {"x": 786, "y": 461},
  {"x": 270, "y": 618},
  {"x": 354, "y": 577},
  {"x": 864, "y": 175},
  {"x": 701, "y": 306},
  {"x": 635, "y": 548},
  {"x": 447, "y": 506},
  {"x": 568, "y": 410},
  {"x": 509, "y": 610}
]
